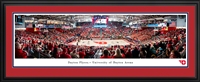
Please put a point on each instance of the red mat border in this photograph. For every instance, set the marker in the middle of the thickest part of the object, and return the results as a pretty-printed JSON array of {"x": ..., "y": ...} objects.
[{"x": 101, "y": 72}]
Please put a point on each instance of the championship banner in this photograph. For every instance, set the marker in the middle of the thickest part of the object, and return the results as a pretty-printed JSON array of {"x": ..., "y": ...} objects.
[{"x": 173, "y": 24}]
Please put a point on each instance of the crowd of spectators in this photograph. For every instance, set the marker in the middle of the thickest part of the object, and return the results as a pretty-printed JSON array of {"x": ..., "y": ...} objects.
[{"x": 144, "y": 43}]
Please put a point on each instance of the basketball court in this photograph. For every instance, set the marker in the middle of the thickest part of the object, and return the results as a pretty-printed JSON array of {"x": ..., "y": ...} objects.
[{"x": 100, "y": 42}]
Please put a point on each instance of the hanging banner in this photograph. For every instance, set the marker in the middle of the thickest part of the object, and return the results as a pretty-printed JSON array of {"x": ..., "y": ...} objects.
[
  {"x": 48, "y": 26},
  {"x": 39, "y": 25},
  {"x": 162, "y": 25},
  {"x": 66, "y": 27},
  {"x": 28, "y": 25},
  {"x": 19, "y": 26},
  {"x": 152, "y": 25}
]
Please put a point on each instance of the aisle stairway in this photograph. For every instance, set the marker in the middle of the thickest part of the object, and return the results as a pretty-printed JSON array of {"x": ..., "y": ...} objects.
[{"x": 101, "y": 32}]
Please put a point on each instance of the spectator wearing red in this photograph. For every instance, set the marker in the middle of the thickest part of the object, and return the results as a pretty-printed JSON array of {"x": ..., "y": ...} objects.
[
  {"x": 56, "y": 53},
  {"x": 50, "y": 46},
  {"x": 19, "y": 53},
  {"x": 65, "y": 54},
  {"x": 168, "y": 50},
  {"x": 33, "y": 41},
  {"x": 82, "y": 53}
]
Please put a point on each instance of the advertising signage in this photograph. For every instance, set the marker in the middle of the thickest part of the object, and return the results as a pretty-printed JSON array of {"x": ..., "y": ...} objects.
[
  {"x": 100, "y": 26},
  {"x": 157, "y": 25},
  {"x": 152, "y": 25}
]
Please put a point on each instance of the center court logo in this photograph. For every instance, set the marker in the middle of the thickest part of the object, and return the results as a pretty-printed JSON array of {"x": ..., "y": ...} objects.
[{"x": 100, "y": 42}]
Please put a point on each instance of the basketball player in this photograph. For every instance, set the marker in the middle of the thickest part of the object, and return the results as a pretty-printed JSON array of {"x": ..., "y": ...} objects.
[{"x": 88, "y": 42}]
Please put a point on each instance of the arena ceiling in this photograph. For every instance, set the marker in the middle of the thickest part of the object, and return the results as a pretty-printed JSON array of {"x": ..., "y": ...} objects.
[{"x": 73, "y": 18}]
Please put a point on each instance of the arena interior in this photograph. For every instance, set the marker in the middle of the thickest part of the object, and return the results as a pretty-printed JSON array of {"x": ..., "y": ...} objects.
[{"x": 100, "y": 36}]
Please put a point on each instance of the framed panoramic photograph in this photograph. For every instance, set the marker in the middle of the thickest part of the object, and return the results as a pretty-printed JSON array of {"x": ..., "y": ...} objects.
[
  {"x": 106, "y": 40},
  {"x": 100, "y": 40}
]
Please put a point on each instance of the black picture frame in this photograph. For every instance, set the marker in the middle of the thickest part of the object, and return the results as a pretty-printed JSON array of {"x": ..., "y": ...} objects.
[{"x": 4, "y": 3}]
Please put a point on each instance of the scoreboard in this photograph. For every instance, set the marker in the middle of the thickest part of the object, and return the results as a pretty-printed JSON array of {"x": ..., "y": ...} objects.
[{"x": 100, "y": 19}]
